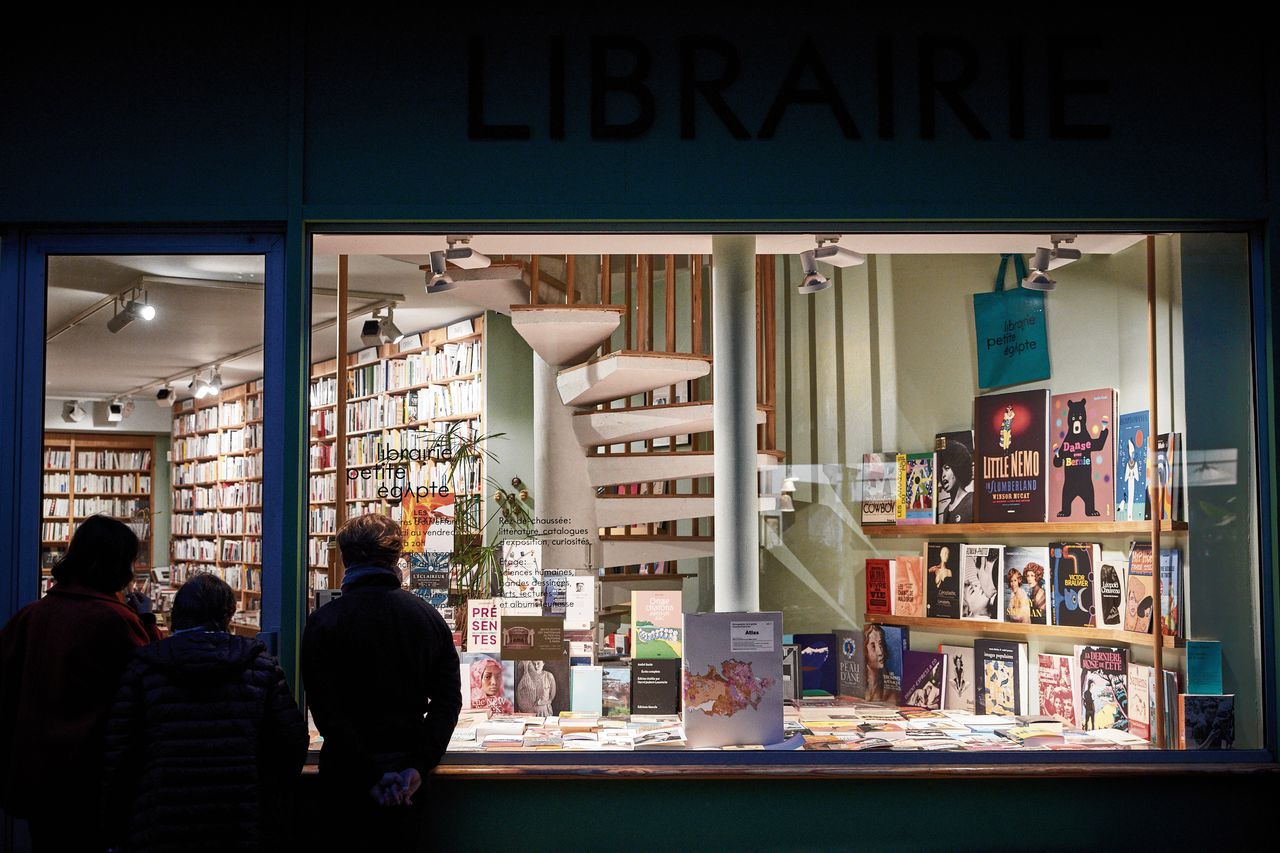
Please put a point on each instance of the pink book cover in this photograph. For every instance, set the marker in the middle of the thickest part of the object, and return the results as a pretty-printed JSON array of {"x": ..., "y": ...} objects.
[
  {"x": 1056, "y": 685},
  {"x": 1082, "y": 456},
  {"x": 909, "y": 586}
]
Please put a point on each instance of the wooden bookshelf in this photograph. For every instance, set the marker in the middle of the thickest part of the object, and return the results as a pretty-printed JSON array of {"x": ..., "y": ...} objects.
[
  {"x": 364, "y": 438},
  {"x": 86, "y": 448},
  {"x": 977, "y": 628},
  {"x": 224, "y": 431},
  {"x": 1058, "y": 531}
]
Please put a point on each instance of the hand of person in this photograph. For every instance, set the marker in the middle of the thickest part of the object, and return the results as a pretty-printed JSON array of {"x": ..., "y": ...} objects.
[
  {"x": 138, "y": 601},
  {"x": 395, "y": 789}
]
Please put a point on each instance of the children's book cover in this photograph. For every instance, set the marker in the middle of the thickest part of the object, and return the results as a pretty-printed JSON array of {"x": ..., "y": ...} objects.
[
  {"x": 879, "y": 488},
  {"x": 1104, "y": 691},
  {"x": 916, "y": 479},
  {"x": 1024, "y": 585},
  {"x": 1139, "y": 586},
  {"x": 1011, "y": 434},
  {"x": 1132, "y": 444},
  {"x": 981, "y": 570},
  {"x": 942, "y": 598},
  {"x": 1171, "y": 592},
  {"x": 953, "y": 473},
  {"x": 1072, "y": 567},
  {"x": 656, "y": 622},
  {"x": 1081, "y": 480}
]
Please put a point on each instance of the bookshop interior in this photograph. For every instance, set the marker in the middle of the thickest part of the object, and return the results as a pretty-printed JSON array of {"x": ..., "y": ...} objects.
[{"x": 1007, "y": 482}]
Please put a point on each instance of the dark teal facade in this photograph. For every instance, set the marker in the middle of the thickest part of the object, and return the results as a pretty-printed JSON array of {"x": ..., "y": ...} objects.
[{"x": 125, "y": 133}]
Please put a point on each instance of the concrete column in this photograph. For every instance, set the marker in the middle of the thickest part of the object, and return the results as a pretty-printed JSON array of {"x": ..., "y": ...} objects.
[
  {"x": 562, "y": 485},
  {"x": 733, "y": 317}
]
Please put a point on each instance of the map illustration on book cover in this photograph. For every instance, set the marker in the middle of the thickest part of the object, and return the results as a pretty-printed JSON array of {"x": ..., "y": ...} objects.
[
  {"x": 880, "y": 587},
  {"x": 1024, "y": 586},
  {"x": 1011, "y": 434},
  {"x": 1056, "y": 685},
  {"x": 959, "y": 694},
  {"x": 953, "y": 472},
  {"x": 817, "y": 663},
  {"x": 915, "y": 488},
  {"x": 1104, "y": 689},
  {"x": 883, "y": 647},
  {"x": 981, "y": 572},
  {"x": 850, "y": 664},
  {"x": 1206, "y": 722},
  {"x": 942, "y": 597},
  {"x": 924, "y": 677},
  {"x": 1081, "y": 484},
  {"x": 1132, "y": 442},
  {"x": 909, "y": 586},
  {"x": 656, "y": 623},
  {"x": 732, "y": 679},
  {"x": 1072, "y": 567},
  {"x": 879, "y": 488}
]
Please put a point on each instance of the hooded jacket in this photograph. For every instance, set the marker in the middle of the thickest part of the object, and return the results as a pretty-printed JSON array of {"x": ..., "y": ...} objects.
[
  {"x": 60, "y": 661},
  {"x": 203, "y": 741}
]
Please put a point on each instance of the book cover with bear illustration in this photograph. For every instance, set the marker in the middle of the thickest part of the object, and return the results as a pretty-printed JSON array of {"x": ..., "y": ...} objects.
[
  {"x": 1082, "y": 473},
  {"x": 1011, "y": 434}
]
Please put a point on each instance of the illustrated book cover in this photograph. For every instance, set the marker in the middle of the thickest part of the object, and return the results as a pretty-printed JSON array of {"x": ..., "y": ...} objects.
[
  {"x": 817, "y": 663},
  {"x": 656, "y": 621},
  {"x": 924, "y": 678},
  {"x": 1132, "y": 444},
  {"x": 1104, "y": 692},
  {"x": 1141, "y": 689},
  {"x": 915, "y": 488},
  {"x": 851, "y": 677},
  {"x": 1002, "y": 677},
  {"x": 953, "y": 474},
  {"x": 909, "y": 588},
  {"x": 883, "y": 648},
  {"x": 1082, "y": 476},
  {"x": 732, "y": 679},
  {"x": 1139, "y": 586},
  {"x": 1011, "y": 434},
  {"x": 1056, "y": 686},
  {"x": 942, "y": 580},
  {"x": 615, "y": 691},
  {"x": 1206, "y": 722},
  {"x": 879, "y": 488},
  {"x": 1072, "y": 569},
  {"x": 880, "y": 586},
  {"x": 981, "y": 571}
]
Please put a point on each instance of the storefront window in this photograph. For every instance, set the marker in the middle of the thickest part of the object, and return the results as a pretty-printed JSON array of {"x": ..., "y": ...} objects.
[{"x": 955, "y": 485}]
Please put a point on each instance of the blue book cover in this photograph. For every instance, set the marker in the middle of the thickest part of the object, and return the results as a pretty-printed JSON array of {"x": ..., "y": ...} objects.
[
  {"x": 884, "y": 647},
  {"x": 1131, "y": 466},
  {"x": 817, "y": 663},
  {"x": 1204, "y": 667}
]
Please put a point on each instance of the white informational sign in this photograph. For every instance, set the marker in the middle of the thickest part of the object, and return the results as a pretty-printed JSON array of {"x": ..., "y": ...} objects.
[
  {"x": 519, "y": 606},
  {"x": 746, "y": 637},
  {"x": 484, "y": 626},
  {"x": 580, "y": 603}
]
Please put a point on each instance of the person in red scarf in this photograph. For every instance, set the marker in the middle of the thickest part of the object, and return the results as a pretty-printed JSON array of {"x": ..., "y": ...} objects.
[{"x": 62, "y": 658}]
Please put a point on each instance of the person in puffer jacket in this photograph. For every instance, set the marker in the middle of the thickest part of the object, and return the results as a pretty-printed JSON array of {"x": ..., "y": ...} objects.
[{"x": 204, "y": 742}]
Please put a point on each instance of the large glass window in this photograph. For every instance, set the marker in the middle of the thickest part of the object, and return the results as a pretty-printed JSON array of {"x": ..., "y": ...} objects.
[{"x": 956, "y": 484}]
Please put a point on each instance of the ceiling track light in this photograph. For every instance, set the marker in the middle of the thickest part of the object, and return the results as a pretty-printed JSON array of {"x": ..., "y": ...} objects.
[
  {"x": 838, "y": 256},
  {"x": 164, "y": 397},
  {"x": 73, "y": 412},
  {"x": 380, "y": 328},
  {"x": 115, "y": 411},
  {"x": 1038, "y": 278},
  {"x": 137, "y": 307},
  {"x": 814, "y": 281},
  {"x": 438, "y": 278},
  {"x": 463, "y": 255}
]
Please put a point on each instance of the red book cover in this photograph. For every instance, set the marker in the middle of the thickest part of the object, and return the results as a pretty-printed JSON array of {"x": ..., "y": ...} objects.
[{"x": 880, "y": 591}]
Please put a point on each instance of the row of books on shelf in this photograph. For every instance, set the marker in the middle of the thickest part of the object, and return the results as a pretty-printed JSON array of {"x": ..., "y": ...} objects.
[
  {"x": 217, "y": 470},
  {"x": 324, "y": 423},
  {"x": 215, "y": 443},
  {"x": 226, "y": 495},
  {"x": 60, "y": 531},
  {"x": 247, "y": 550},
  {"x": 239, "y": 578},
  {"x": 1066, "y": 584},
  {"x": 317, "y": 555},
  {"x": 114, "y": 460},
  {"x": 322, "y": 519},
  {"x": 246, "y": 523},
  {"x": 1031, "y": 457},
  {"x": 61, "y": 484},
  {"x": 1098, "y": 687},
  {"x": 206, "y": 418},
  {"x": 84, "y": 507}
]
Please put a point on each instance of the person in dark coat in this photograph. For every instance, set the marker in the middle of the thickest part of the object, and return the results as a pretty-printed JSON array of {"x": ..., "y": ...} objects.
[
  {"x": 61, "y": 660},
  {"x": 382, "y": 682},
  {"x": 204, "y": 742}
]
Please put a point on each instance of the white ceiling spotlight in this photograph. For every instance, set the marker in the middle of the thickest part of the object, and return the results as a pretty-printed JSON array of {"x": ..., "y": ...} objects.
[
  {"x": 380, "y": 328},
  {"x": 136, "y": 308},
  {"x": 164, "y": 397},
  {"x": 438, "y": 278},
  {"x": 200, "y": 387},
  {"x": 1045, "y": 259},
  {"x": 838, "y": 256},
  {"x": 215, "y": 381},
  {"x": 463, "y": 256},
  {"x": 73, "y": 412},
  {"x": 814, "y": 281},
  {"x": 115, "y": 411}
]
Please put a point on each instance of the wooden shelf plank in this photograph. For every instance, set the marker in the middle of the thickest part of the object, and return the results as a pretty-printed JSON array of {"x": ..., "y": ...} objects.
[
  {"x": 1063, "y": 530},
  {"x": 1013, "y": 629}
]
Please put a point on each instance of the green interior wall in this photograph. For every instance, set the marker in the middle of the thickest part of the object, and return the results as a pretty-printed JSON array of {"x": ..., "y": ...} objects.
[{"x": 508, "y": 393}]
